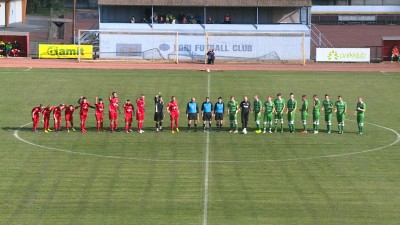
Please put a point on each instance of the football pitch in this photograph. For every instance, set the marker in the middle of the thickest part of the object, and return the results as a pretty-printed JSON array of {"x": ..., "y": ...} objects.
[{"x": 198, "y": 178}]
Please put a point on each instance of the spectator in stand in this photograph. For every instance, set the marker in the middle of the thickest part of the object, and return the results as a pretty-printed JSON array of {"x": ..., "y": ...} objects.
[
  {"x": 395, "y": 53},
  {"x": 227, "y": 19},
  {"x": 188, "y": 17},
  {"x": 181, "y": 16},
  {"x": 8, "y": 49},
  {"x": 2, "y": 48},
  {"x": 163, "y": 16},
  {"x": 193, "y": 20},
  {"x": 133, "y": 20},
  {"x": 155, "y": 18},
  {"x": 184, "y": 20},
  {"x": 198, "y": 19},
  {"x": 210, "y": 20},
  {"x": 167, "y": 21},
  {"x": 144, "y": 20},
  {"x": 169, "y": 16},
  {"x": 161, "y": 20},
  {"x": 210, "y": 56},
  {"x": 173, "y": 20}
]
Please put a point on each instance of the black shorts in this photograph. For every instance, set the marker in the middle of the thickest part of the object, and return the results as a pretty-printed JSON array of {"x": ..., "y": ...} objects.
[
  {"x": 207, "y": 116},
  {"x": 158, "y": 116},
  {"x": 192, "y": 116},
  {"x": 219, "y": 116},
  {"x": 245, "y": 116}
]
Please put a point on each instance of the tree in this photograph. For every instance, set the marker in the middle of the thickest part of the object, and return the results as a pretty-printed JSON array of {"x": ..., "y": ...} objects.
[{"x": 33, "y": 6}]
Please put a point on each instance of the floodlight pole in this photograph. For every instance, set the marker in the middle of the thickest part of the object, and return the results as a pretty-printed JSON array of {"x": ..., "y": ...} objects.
[{"x": 73, "y": 22}]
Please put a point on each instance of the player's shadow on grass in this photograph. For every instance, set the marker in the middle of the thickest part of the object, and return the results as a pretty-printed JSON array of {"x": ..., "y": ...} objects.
[
  {"x": 30, "y": 129},
  {"x": 146, "y": 129}
]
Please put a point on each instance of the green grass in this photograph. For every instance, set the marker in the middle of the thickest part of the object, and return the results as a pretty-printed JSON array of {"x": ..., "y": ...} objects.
[{"x": 119, "y": 178}]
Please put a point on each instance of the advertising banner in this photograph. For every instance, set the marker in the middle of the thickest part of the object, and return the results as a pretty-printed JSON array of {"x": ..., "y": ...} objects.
[
  {"x": 343, "y": 55},
  {"x": 192, "y": 46},
  {"x": 57, "y": 51}
]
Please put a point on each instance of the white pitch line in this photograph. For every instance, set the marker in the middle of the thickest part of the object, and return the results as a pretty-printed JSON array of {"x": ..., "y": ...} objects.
[
  {"x": 207, "y": 164},
  {"x": 16, "y": 135},
  {"x": 328, "y": 156},
  {"x": 384, "y": 73}
]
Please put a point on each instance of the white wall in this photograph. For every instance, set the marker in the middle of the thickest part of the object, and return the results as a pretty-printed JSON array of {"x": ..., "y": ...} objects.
[
  {"x": 154, "y": 46},
  {"x": 15, "y": 12},
  {"x": 18, "y": 13},
  {"x": 355, "y": 9},
  {"x": 2, "y": 12},
  {"x": 375, "y": 2},
  {"x": 191, "y": 41},
  {"x": 364, "y": 2}
]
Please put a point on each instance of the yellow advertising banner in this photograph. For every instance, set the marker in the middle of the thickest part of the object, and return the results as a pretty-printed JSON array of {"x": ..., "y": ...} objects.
[{"x": 57, "y": 51}]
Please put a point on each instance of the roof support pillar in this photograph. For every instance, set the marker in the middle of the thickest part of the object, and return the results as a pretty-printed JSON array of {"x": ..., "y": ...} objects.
[{"x": 7, "y": 19}]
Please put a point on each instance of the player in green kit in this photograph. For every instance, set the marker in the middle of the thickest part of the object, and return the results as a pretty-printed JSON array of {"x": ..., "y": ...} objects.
[
  {"x": 233, "y": 107},
  {"x": 269, "y": 109},
  {"x": 340, "y": 110},
  {"x": 279, "y": 103},
  {"x": 360, "y": 113},
  {"x": 304, "y": 113},
  {"x": 327, "y": 106},
  {"x": 316, "y": 113},
  {"x": 257, "y": 106},
  {"x": 291, "y": 111}
]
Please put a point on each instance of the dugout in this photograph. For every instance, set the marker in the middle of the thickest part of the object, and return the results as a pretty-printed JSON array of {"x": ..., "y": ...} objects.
[
  {"x": 388, "y": 43},
  {"x": 21, "y": 37}
]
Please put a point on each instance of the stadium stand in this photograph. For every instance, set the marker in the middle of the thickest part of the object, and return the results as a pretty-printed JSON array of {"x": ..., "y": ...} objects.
[{"x": 247, "y": 20}]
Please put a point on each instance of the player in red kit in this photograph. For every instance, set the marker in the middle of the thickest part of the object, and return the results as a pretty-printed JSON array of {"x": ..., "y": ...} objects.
[
  {"x": 85, "y": 105},
  {"x": 57, "y": 116},
  {"x": 46, "y": 118},
  {"x": 113, "y": 112},
  {"x": 173, "y": 111},
  {"x": 128, "y": 114},
  {"x": 69, "y": 122},
  {"x": 99, "y": 106},
  {"x": 36, "y": 116},
  {"x": 140, "y": 113}
]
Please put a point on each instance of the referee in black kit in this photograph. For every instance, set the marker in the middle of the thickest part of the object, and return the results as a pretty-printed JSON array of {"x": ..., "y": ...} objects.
[
  {"x": 159, "y": 111},
  {"x": 245, "y": 110}
]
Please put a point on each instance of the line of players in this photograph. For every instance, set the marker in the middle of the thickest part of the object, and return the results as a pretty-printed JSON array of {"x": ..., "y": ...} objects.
[
  {"x": 84, "y": 106},
  {"x": 273, "y": 113}
]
